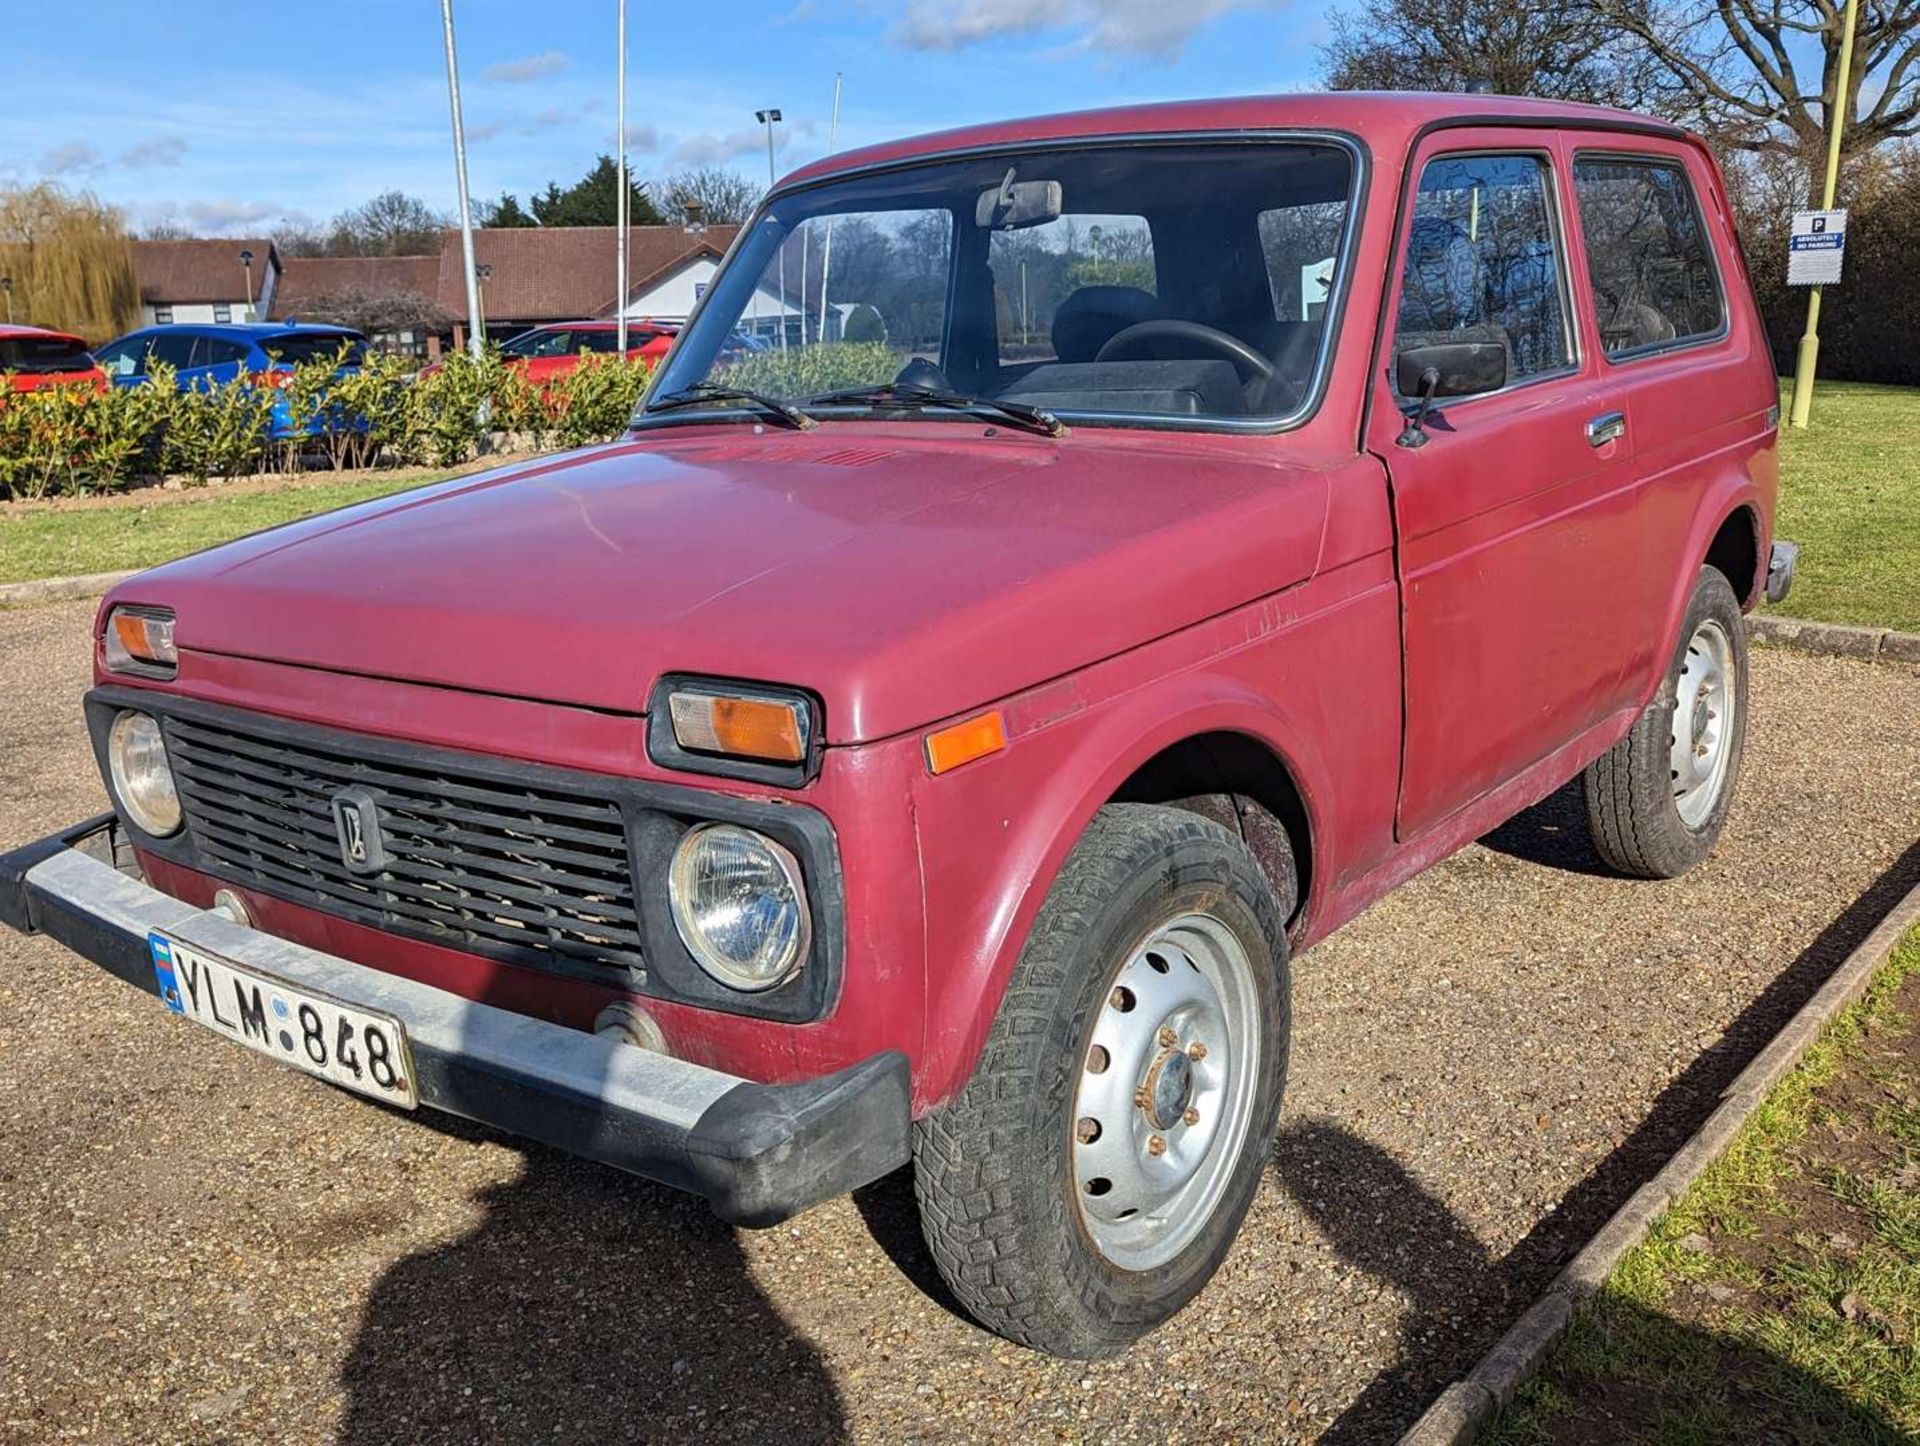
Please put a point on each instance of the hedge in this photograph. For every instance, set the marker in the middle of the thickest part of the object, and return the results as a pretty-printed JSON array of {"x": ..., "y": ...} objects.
[{"x": 68, "y": 440}]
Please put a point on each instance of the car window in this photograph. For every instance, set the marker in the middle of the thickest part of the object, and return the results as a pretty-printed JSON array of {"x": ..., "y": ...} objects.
[
  {"x": 1072, "y": 262},
  {"x": 549, "y": 341},
  {"x": 174, "y": 348},
  {"x": 43, "y": 354},
  {"x": 1653, "y": 277},
  {"x": 1483, "y": 262},
  {"x": 297, "y": 347},
  {"x": 1299, "y": 244},
  {"x": 122, "y": 358},
  {"x": 215, "y": 352},
  {"x": 607, "y": 341}
]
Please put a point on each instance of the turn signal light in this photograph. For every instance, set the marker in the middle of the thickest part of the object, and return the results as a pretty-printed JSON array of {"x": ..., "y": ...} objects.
[
  {"x": 140, "y": 640},
  {"x": 963, "y": 742},
  {"x": 740, "y": 727}
]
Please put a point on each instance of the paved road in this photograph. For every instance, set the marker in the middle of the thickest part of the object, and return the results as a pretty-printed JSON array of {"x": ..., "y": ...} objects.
[{"x": 196, "y": 1245}]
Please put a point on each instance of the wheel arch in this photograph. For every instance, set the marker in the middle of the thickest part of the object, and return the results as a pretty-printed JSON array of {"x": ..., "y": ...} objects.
[{"x": 1184, "y": 743}]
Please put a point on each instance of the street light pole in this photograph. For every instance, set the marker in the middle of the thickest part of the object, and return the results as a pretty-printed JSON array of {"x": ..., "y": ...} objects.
[
  {"x": 475, "y": 342},
  {"x": 246, "y": 265},
  {"x": 621, "y": 211},
  {"x": 769, "y": 118},
  {"x": 1836, "y": 122}
]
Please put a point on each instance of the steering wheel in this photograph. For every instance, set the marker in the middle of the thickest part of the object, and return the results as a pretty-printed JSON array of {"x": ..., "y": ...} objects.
[{"x": 1130, "y": 343}]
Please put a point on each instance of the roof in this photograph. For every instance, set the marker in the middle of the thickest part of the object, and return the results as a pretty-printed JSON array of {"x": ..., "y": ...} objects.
[
  {"x": 171, "y": 272},
  {"x": 542, "y": 272},
  {"x": 8, "y": 331},
  {"x": 307, "y": 279},
  {"x": 240, "y": 330},
  {"x": 1385, "y": 119}
]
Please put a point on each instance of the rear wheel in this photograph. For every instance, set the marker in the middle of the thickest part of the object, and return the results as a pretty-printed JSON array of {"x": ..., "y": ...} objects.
[
  {"x": 1657, "y": 801},
  {"x": 1091, "y": 1177}
]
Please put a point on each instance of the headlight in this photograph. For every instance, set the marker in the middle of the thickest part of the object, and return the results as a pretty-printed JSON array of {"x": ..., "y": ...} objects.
[
  {"x": 142, "y": 777},
  {"x": 740, "y": 906}
]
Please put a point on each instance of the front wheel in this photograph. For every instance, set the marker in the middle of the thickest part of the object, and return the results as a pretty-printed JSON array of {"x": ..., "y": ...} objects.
[
  {"x": 1657, "y": 801},
  {"x": 1091, "y": 1177}
]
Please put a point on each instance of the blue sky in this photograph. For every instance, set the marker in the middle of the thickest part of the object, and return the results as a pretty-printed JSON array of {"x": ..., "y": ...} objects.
[{"x": 232, "y": 118}]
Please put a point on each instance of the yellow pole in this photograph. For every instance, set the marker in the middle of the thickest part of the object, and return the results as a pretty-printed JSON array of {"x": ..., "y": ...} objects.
[{"x": 1836, "y": 120}]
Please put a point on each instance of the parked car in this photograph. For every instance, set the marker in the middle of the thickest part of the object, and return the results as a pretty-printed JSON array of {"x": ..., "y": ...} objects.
[
  {"x": 32, "y": 357},
  {"x": 939, "y": 756},
  {"x": 216, "y": 353},
  {"x": 554, "y": 349}
]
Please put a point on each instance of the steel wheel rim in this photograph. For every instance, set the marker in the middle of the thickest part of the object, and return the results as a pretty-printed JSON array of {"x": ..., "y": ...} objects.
[
  {"x": 1166, "y": 1092},
  {"x": 1705, "y": 697}
]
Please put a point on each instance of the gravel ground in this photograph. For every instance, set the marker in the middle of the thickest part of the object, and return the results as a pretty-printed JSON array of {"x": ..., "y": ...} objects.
[{"x": 196, "y": 1245}]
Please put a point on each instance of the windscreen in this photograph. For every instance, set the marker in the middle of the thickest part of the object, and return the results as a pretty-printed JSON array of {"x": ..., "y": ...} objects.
[
  {"x": 1138, "y": 281},
  {"x": 296, "y": 348}
]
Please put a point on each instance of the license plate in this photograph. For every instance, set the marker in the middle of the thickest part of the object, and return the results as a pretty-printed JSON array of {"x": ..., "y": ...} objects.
[{"x": 350, "y": 1047}]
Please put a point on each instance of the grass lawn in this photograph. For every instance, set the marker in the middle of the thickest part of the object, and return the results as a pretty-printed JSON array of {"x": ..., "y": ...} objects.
[
  {"x": 1780, "y": 1299},
  {"x": 123, "y": 534},
  {"x": 1850, "y": 496}
]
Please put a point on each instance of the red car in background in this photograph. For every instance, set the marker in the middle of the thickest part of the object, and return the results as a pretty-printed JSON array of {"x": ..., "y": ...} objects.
[
  {"x": 32, "y": 357},
  {"x": 554, "y": 349}
]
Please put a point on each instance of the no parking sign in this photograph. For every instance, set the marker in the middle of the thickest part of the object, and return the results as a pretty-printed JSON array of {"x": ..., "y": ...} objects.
[{"x": 1814, "y": 249}]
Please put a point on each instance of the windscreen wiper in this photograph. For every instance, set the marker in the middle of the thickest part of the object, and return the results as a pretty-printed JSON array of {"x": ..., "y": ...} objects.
[
  {"x": 700, "y": 392},
  {"x": 1035, "y": 419}
]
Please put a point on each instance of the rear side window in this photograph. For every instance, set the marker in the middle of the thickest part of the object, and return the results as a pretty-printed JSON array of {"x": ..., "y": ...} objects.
[
  {"x": 1483, "y": 263},
  {"x": 1654, "y": 282},
  {"x": 300, "y": 347},
  {"x": 42, "y": 354},
  {"x": 218, "y": 353},
  {"x": 174, "y": 348}
]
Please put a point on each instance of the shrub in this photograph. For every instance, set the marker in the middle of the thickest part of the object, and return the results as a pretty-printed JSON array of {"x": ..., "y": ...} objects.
[
  {"x": 810, "y": 370},
  {"x": 597, "y": 398}
]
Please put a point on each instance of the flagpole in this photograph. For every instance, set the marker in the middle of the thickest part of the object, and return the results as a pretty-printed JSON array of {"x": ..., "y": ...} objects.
[
  {"x": 475, "y": 342},
  {"x": 623, "y": 218}
]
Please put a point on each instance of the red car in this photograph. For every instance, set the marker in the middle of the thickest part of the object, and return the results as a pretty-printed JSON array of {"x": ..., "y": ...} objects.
[
  {"x": 32, "y": 357},
  {"x": 554, "y": 349},
  {"x": 1157, "y": 534}
]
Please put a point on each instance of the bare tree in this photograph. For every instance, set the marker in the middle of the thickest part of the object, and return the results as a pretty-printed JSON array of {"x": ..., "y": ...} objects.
[
  {"x": 722, "y": 197},
  {"x": 166, "y": 231},
  {"x": 1764, "y": 75},
  {"x": 1559, "y": 49},
  {"x": 391, "y": 224},
  {"x": 377, "y": 313}
]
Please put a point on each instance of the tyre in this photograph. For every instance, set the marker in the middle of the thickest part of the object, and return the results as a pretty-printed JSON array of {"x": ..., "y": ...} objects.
[
  {"x": 1656, "y": 801},
  {"x": 1090, "y": 1178}
]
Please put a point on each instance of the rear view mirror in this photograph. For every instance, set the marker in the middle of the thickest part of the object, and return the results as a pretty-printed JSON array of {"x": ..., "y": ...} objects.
[
  {"x": 1445, "y": 369},
  {"x": 1013, "y": 204}
]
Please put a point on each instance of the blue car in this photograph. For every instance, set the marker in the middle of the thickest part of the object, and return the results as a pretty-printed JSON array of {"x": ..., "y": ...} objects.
[{"x": 213, "y": 353}]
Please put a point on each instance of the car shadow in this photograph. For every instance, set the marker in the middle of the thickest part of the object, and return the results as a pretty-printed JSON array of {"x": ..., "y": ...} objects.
[
  {"x": 1384, "y": 1222},
  {"x": 585, "y": 1306},
  {"x": 1461, "y": 1300},
  {"x": 1553, "y": 833}
]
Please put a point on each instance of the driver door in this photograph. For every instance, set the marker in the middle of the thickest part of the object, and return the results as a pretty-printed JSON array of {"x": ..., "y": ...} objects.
[{"x": 1516, "y": 515}]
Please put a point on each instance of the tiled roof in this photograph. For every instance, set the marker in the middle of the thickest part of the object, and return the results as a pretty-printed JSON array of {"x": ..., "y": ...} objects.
[
  {"x": 171, "y": 272},
  {"x": 541, "y": 272},
  {"x": 306, "y": 279}
]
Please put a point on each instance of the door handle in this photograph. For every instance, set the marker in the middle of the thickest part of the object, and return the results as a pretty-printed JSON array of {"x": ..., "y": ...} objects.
[{"x": 1605, "y": 428}]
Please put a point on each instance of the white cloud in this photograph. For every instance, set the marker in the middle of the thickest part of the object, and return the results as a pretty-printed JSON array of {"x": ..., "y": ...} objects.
[
  {"x": 69, "y": 158},
  {"x": 1159, "y": 29},
  {"x": 717, "y": 148},
  {"x": 533, "y": 67},
  {"x": 160, "y": 151}
]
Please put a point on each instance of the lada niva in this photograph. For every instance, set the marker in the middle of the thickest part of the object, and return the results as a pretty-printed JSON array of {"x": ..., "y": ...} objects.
[{"x": 1144, "y": 539}]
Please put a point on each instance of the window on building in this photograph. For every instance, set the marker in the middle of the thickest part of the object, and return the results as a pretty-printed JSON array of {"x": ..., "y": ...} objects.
[
  {"x": 1483, "y": 263},
  {"x": 1653, "y": 278},
  {"x": 222, "y": 312},
  {"x": 163, "y": 316}
]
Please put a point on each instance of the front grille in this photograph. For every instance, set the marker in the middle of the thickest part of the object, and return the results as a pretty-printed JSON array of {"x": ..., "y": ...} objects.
[{"x": 540, "y": 875}]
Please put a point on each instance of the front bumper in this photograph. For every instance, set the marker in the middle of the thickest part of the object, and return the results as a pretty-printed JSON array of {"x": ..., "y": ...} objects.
[{"x": 757, "y": 1153}]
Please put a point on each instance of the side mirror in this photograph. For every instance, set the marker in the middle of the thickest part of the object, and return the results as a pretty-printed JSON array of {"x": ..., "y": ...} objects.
[{"x": 1445, "y": 369}]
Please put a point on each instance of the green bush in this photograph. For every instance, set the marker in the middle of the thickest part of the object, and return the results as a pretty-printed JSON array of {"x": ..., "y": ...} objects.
[
  {"x": 807, "y": 371},
  {"x": 70, "y": 440}
]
